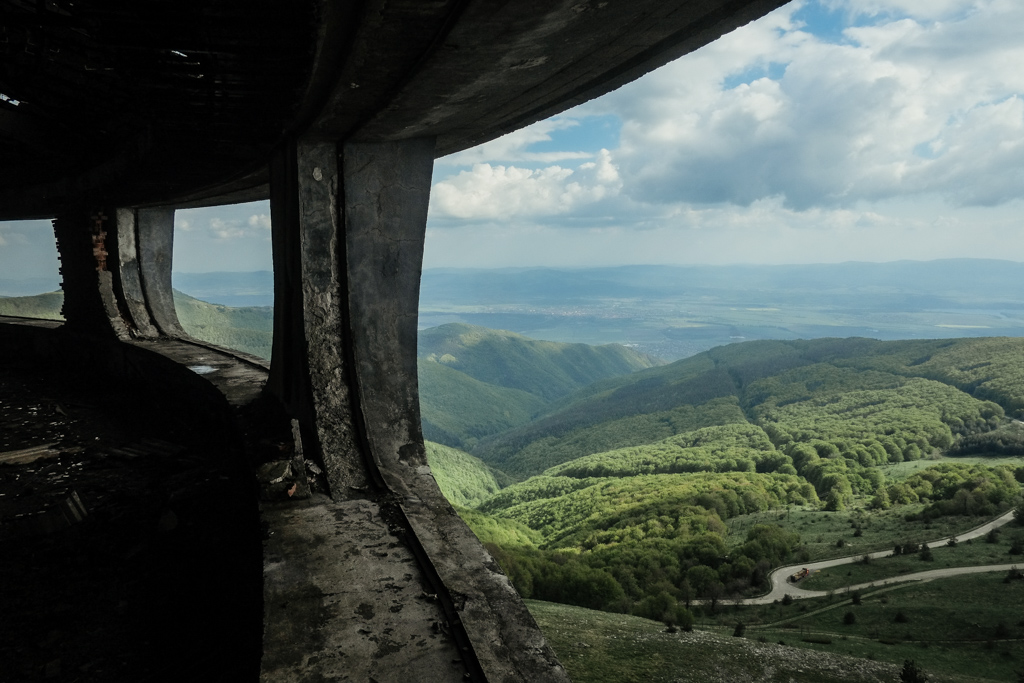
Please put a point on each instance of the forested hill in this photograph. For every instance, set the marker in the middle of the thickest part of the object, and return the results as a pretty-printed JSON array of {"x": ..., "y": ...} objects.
[
  {"x": 248, "y": 329},
  {"x": 644, "y": 491},
  {"x": 475, "y": 381},
  {"x": 793, "y": 390}
]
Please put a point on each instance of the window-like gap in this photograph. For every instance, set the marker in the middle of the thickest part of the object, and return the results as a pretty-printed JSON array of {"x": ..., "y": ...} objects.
[
  {"x": 29, "y": 270},
  {"x": 223, "y": 275}
]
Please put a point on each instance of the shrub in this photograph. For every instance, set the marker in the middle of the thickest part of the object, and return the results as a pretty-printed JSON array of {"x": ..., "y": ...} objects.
[
  {"x": 855, "y": 598},
  {"x": 739, "y": 630},
  {"x": 926, "y": 554},
  {"x": 849, "y": 618},
  {"x": 1017, "y": 547},
  {"x": 787, "y": 599},
  {"x": 901, "y": 618},
  {"x": 992, "y": 536}
]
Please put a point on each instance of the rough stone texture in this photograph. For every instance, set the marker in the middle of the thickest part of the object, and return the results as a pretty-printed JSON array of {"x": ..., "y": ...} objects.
[{"x": 344, "y": 600}]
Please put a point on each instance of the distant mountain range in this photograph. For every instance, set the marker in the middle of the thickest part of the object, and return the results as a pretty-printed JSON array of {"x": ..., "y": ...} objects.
[{"x": 672, "y": 312}]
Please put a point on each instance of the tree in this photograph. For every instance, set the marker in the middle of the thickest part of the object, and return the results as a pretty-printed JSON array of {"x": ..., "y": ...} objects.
[
  {"x": 911, "y": 674},
  {"x": 739, "y": 630},
  {"x": 926, "y": 553},
  {"x": 849, "y": 618}
]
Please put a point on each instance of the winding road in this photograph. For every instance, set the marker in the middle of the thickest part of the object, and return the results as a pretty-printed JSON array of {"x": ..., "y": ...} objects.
[{"x": 781, "y": 586}]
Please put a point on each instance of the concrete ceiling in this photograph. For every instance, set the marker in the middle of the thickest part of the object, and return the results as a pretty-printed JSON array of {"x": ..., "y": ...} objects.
[{"x": 180, "y": 103}]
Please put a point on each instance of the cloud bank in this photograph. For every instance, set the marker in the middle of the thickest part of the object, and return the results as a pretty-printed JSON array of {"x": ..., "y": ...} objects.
[{"x": 898, "y": 113}]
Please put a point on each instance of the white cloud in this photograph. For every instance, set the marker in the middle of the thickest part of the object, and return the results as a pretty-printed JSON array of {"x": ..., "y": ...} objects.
[
  {"x": 260, "y": 221},
  {"x": 512, "y": 147},
  {"x": 489, "y": 192},
  {"x": 890, "y": 139},
  {"x": 182, "y": 224},
  {"x": 843, "y": 123},
  {"x": 920, "y": 9},
  {"x": 224, "y": 230}
]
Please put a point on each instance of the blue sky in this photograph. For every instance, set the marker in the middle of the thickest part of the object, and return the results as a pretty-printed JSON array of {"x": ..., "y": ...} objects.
[{"x": 830, "y": 130}]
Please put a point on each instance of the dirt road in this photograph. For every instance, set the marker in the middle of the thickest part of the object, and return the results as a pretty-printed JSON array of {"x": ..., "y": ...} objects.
[{"x": 781, "y": 585}]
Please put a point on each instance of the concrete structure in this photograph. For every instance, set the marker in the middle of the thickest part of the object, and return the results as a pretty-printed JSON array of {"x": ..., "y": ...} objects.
[{"x": 115, "y": 114}]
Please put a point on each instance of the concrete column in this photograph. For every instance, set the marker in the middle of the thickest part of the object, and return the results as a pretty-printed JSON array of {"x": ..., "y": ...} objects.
[
  {"x": 348, "y": 230},
  {"x": 154, "y": 230},
  {"x": 308, "y": 373},
  {"x": 85, "y": 239},
  {"x": 131, "y": 278},
  {"x": 386, "y": 193}
]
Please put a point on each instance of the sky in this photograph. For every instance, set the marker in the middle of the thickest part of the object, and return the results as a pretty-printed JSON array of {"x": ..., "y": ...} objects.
[{"x": 827, "y": 131}]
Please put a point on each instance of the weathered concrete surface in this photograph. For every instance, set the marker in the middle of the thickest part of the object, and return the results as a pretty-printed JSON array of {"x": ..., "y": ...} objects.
[
  {"x": 386, "y": 191},
  {"x": 350, "y": 240},
  {"x": 131, "y": 279},
  {"x": 155, "y": 244},
  {"x": 344, "y": 600},
  {"x": 308, "y": 374}
]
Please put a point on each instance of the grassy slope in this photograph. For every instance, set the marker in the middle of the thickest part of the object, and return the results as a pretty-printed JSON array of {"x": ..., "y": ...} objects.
[
  {"x": 950, "y": 627},
  {"x": 545, "y": 369},
  {"x": 638, "y": 408},
  {"x": 464, "y": 480},
  {"x": 597, "y": 647},
  {"x": 248, "y": 329},
  {"x": 46, "y": 306},
  {"x": 458, "y": 410},
  {"x": 475, "y": 382}
]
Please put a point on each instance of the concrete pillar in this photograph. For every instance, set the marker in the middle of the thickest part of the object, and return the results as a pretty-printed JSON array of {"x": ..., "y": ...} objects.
[
  {"x": 131, "y": 277},
  {"x": 85, "y": 239},
  {"x": 348, "y": 230},
  {"x": 116, "y": 268},
  {"x": 155, "y": 243}
]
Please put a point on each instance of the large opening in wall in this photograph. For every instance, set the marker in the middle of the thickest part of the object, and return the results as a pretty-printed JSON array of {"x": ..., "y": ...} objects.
[
  {"x": 29, "y": 270},
  {"x": 804, "y": 241},
  {"x": 223, "y": 275}
]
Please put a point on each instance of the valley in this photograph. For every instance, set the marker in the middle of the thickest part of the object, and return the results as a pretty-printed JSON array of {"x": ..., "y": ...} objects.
[{"x": 646, "y": 502}]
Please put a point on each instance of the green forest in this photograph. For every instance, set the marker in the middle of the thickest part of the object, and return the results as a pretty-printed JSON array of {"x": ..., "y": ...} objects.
[
  {"x": 249, "y": 329},
  {"x": 475, "y": 382},
  {"x": 599, "y": 477},
  {"x": 661, "y": 492}
]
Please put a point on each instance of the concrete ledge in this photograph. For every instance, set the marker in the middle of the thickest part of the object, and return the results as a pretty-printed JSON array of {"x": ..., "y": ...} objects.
[{"x": 344, "y": 600}]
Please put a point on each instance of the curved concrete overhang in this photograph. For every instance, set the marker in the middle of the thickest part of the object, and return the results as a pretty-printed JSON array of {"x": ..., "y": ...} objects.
[
  {"x": 337, "y": 110},
  {"x": 184, "y": 105}
]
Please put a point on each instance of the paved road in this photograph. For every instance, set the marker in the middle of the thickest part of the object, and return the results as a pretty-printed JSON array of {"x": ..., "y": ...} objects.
[{"x": 781, "y": 586}]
